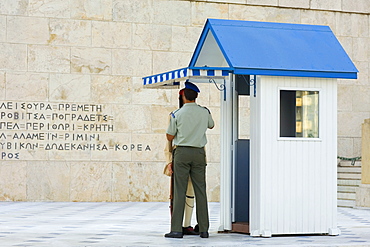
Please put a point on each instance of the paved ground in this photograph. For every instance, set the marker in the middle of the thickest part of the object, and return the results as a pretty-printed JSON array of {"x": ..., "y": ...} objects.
[{"x": 144, "y": 224}]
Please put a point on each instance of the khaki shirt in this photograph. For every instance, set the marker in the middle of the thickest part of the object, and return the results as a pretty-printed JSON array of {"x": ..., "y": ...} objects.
[{"x": 189, "y": 124}]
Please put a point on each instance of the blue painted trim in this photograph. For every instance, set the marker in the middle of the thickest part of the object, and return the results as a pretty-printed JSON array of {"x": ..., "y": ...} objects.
[
  {"x": 182, "y": 73},
  {"x": 212, "y": 68},
  {"x": 321, "y": 74},
  {"x": 164, "y": 76},
  {"x": 199, "y": 45},
  {"x": 168, "y": 72},
  {"x": 210, "y": 71},
  {"x": 275, "y": 25},
  {"x": 196, "y": 72}
]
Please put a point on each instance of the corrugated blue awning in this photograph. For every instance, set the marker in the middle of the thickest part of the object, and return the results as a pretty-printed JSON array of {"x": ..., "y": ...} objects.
[{"x": 265, "y": 48}]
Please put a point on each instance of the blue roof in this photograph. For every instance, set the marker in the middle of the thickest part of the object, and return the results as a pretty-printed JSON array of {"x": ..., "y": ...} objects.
[{"x": 279, "y": 49}]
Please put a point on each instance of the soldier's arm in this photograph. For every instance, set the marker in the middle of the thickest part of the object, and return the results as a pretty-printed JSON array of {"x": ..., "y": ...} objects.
[
  {"x": 211, "y": 123},
  {"x": 170, "y": 137},
  {"x": 171, "y": 128}
]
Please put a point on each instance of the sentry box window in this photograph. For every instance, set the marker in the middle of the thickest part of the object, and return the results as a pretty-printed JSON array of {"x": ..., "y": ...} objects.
[{"x": 299, "y": 113}]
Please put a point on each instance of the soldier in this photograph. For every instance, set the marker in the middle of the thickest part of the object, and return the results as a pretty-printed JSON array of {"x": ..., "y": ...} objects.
[
  {"x": 187, "y": 229},
  {"x": 187, "y": 130}
]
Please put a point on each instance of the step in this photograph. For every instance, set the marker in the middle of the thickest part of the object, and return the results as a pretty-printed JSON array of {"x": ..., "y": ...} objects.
[
  {"x": 348, "y": 169},
  {"x": 349, "y": 176},
  {"x": 346, "y": 203},
  {"x": 342, "y": 163},
  {"x": 346, "y": 196},
  {"x": 349, "y": 182},
  {"x": 347, "y": 189},
  {"x": 241, "y": 227}
]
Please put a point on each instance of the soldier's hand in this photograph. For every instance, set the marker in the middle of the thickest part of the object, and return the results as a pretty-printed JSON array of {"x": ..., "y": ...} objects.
[{"x": 169, "y": 168}]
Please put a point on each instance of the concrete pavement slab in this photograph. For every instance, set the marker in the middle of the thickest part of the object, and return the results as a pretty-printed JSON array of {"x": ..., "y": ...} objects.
[{"x": 144, "y": 224}]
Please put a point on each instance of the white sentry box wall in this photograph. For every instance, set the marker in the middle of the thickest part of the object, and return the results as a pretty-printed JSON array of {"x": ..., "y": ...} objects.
[{"x": 293, "y": 180}]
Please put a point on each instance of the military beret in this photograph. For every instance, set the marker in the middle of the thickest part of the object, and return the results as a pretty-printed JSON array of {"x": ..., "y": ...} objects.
[{"x": 191, "y": 86}]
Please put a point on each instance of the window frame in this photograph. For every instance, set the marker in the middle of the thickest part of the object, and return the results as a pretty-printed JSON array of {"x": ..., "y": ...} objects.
[{"x": 312, "y": 139}]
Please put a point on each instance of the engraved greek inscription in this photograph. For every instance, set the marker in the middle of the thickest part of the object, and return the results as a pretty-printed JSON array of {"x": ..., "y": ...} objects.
[
  {"x": 9, "y": 115},
  {"x": 29, "y": 136},
  {"x": 98, "y": 127},
  {"x": 9, "y": 126},
  {"x": 6, "y": 105},
  {"x": 24, "y": 145},
  {"x": 52, "y": 136},
  {"x": 18, "y": 145},
  {"x": 131, "y": 147},
  {"x": 61, "y": 126},
  {"x": 3, "y": 145},
  {"x": 78, "y": 107},
  {"x": 10, "y": 156},
  {"x": 35, "y": 106},
  {"x": 34, "y": 116},
  {"x": 33, "y": 126},
  {"x": 80, "y": 117},
  {"x": 74, "y": 146}
]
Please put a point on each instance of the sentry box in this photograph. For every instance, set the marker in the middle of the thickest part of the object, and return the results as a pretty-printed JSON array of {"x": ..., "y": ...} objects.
[{"x": 283, "y": 180}]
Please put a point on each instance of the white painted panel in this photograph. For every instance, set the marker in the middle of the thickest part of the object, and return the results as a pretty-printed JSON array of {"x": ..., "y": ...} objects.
[
  {"x": 210, "y": 55},
  {"x": 292, "y": 180},
  {"x": 255, "y": 140},
  {"x": 226, "y": 157}
]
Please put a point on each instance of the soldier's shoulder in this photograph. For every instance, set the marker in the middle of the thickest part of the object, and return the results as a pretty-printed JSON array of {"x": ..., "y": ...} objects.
[
  {"x": 173, "y": 113},
  {"x": 205, "y": 108}
]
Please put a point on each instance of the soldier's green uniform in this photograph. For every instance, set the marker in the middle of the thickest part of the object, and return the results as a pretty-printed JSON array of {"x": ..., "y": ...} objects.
[{"x": 189, "y": 124}]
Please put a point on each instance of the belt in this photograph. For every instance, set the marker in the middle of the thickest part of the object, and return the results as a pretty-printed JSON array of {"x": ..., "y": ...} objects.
[{"x": 188, "y": 147}]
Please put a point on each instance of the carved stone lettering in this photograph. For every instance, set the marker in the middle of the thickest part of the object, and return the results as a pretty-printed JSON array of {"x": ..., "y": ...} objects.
[{"x": 61, "y": 127}]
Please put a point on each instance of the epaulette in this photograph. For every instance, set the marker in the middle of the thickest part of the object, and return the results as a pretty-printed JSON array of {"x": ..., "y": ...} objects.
[
  {"x": 173, "y": 113},
  {"x": 206, "y": 109}
]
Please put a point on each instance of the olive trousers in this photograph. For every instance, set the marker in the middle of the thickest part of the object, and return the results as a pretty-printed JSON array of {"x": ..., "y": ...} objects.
[{"x": 189, "y": 161}]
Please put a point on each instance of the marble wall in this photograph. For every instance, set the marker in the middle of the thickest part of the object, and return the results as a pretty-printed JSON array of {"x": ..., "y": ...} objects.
[
  {"x": 76, "y": 123},
  {"x": 363, "y": 191}
]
